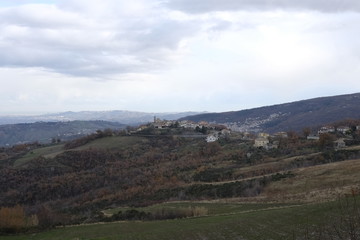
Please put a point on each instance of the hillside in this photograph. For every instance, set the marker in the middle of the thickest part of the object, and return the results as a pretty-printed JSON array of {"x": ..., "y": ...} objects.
[
  {"x": 289, "y": 116},
  {"x": 46, "y": 132},
  {"x": 157, "y": 174}
]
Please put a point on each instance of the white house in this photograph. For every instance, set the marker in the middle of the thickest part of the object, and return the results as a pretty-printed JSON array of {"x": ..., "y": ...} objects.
[
  {"x": 326, "y": 129},
  {"x": 313, "y": 137},
  {"x": 188, "y": 124},
  {"x": 212, "y": 138},
  {"x": 225, "y": 132},
  {"x": 343, "y": 129},
  {"x": 340, "y": 143},
  {"x": 261, "y": 142},
  {"x": 263, "y": 135},
  {"x": 140, "y": 128},
  {"x": 281, "y": 134}
]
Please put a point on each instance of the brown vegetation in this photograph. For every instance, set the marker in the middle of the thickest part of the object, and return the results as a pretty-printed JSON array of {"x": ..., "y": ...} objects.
[
  {"x": 13, "y": 219},
  {"x": 86, "y": 177}
]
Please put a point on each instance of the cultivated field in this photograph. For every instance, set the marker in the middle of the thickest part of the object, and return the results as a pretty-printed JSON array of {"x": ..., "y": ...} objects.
[{"x": 225, "y": 221}]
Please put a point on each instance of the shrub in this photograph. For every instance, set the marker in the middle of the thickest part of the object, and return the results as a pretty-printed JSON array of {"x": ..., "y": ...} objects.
[
  {"x": 13, "y": 219},
  {"x": 158, "y": 214}
]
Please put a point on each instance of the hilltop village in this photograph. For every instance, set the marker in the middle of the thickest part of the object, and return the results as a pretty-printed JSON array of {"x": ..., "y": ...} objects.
[{"x": 337, "y": 135}]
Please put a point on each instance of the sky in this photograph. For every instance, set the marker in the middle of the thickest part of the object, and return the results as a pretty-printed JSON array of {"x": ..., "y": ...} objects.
[{"x": 174, "y": 55}]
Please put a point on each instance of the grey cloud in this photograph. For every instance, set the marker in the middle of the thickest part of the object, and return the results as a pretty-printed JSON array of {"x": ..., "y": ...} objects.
[
  {"x": 30, "y": 38},
  {"x": 39, "y": 16},
  {"x": 167, "y": 34},
  {"x": 202, "y": 6},
  {"x": 221, "y": 25},
  {"x": 77, "y": 63}
]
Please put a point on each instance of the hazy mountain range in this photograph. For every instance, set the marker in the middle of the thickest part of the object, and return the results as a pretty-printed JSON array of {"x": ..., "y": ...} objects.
[
  {"x": 289, "y": 116},
  {"x": 46, "y": 132},
  {"x": 121, "y": 116},
  {"x": 70, "y": 125},
  {"x": 282, "y": 117}
]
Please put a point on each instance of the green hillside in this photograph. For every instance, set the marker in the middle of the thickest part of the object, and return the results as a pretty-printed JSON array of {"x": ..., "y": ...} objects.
[{"x": 166, "y": 184}]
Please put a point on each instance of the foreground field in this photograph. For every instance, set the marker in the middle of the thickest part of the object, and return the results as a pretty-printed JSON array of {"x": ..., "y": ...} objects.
[
  {"x": 317, "y": 183},
  {"x": 232, "y": 221}
]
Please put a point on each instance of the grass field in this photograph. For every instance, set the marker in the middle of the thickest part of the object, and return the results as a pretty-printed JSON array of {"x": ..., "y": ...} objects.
[
  {"x": 318, "y": 183},
  {"x": 47, "y": 152},
  {"x": 237, "y": 221},
  {"x": 119, "y": 142},
  {"x": 214, "y": 207}
]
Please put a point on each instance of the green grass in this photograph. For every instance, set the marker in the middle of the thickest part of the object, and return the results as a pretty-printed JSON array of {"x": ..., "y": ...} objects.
[
  {"x": 317, "y": 183},
  {"x": 214, "y": 208},
  {"x": 47, "y": 152},
  {"x": 117, "y": 142},
  {"x": 276, "y": 223}
]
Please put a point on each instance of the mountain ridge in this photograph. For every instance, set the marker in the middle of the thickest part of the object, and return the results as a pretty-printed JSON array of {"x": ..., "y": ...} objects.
[
  {"x": 46, "y": 132},
  {"x": 292, "y": 116}
]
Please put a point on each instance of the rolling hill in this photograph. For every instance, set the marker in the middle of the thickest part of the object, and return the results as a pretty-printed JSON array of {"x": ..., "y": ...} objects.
[
  {"x": 44, "y": 132},
  {"x": 214, "y": 189},
  {"x": 288, "y": 116}
]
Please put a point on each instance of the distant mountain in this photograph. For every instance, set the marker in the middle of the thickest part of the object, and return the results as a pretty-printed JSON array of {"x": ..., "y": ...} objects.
[
  {"x": 125, "y": 117},
  {"x": 44, "y": 132},
  {"x": 289, "y": 116}
]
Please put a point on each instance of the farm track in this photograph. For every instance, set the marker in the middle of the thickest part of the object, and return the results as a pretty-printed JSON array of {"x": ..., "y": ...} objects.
[
  {"x": 266, "y": 165},
  {"x": 261, "y": 166},
  {"x": 204, "y": 216}
]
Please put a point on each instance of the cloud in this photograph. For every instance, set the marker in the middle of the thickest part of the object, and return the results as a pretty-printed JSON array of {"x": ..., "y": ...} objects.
[
  {"x": 91, "y": 38},
  {"x": 103, "y": 38},
  {"x": 202, "y": 6},
  {"x": 33, "y": 90},
  {"x": 175, "y": 55}
]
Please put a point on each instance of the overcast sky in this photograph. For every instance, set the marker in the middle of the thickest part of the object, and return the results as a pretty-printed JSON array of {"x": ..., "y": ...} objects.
[{"x": 174, "y": 55}]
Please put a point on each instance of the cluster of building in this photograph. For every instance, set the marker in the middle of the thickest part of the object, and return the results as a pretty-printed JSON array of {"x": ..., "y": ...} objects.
[
  {"x": 163, "y": 124},
  {"x": 261, "y": 140},
  {"x": 344, "y": 130},
  {"x": 214, "y": 131},
  {"x": 253, "y": 124},
  {"x": 216, "y": 135},
  {"x": 331, "y": 129},
  {"x": 158, "y": 123},
  {"x": 342, "y": 133}
]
